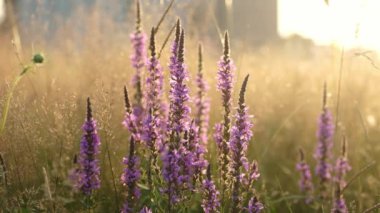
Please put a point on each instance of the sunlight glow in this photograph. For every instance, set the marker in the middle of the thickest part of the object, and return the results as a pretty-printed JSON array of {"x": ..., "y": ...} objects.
[
  {"x": 351, "y": 23},
  {"x": 2, "y": 11}
]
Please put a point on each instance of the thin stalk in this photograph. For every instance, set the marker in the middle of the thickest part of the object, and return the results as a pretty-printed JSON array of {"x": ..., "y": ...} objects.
[
  {"x": 9, "y": 98},
  {"x": 163, "y": 16}
]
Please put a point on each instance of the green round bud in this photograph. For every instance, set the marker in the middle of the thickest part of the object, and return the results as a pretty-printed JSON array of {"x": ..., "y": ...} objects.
[{"x": 38, "y": 58}]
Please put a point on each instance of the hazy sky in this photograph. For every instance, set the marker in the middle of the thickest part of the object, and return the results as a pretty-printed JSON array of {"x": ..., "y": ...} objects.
[{"x": 347, "y": 22}]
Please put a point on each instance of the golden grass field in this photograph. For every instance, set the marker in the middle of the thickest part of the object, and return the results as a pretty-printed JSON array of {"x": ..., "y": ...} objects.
[{"x": 284, "y": 94}]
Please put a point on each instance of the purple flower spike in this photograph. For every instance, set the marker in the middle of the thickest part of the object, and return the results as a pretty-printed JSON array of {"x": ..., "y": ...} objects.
[
  {"x": 152, "y": 127},
  {"x": 202, "y": 103},
  {"x": 88, "y": 172},
  {"x": 254, "y": 173},
  {"x": 254, "y": 206},
  {"x": 210, "y": 203},
  {"x": 130, "y": 177},
  {"x": 138, "y": 57},
  {"x": 240, "y": 136},
  {"x": 146, "y": 210},
  {"x": 174, "y": 49},
  {"x": 218, "y": 136},
  {"x": 324, "y": 148},
  {"x": 225, "y": 80},
  {"x": 130, "y": 118},
  {"x": 197, "y": 149},
  {"x": 179, "y": 92},
  {"x": 339, "y": 206},
  {"x": 305, "y": 183},
  {"x": 342, "y": 166},
  {"x": 171, "y": 173}
]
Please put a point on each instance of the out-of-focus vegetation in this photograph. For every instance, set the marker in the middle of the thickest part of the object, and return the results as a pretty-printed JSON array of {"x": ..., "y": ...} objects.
[{"x": 284, "y": 94}]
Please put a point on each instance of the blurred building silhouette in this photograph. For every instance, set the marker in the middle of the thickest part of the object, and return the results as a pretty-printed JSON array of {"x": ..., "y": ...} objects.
[{"x": 249, "y": 21}]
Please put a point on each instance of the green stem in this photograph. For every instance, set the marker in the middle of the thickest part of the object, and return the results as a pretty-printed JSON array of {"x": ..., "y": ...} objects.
[{"x": 9, "y": 97}]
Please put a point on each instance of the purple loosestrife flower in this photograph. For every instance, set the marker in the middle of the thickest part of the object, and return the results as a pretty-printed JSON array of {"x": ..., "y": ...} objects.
[
  {"x": 202, "y": 103},
  {"x": 130, "y": 177},
  {"x": 253, "y": 174},
  {"x": 305, "y": 183},
  {"x": 225, "y": 78},
  {"x": 218, "y": 136},
  {"x": 154, "y": 81},
  {"x": 152, "y": 127},
  {"x": 197, "y": 149},
  {"x": 89, "y": 171},
  {"x": 240, "y": 136},
  {"x": 171, "y": 175},
  {"x": 130, "y": 118},
  {"x": 179, "y": 92},
  {"x": 138, "y": 57},
  {"x": 174, "y": 49},
  {"x": 342, "y": 166},
  {"x": 210, "y": 202},
  {"x": 325, "y": 142},
  {"x": 146, "y": 210},
  {"x": 339, "y": 206},
  {"x": 254, "y": 206}
]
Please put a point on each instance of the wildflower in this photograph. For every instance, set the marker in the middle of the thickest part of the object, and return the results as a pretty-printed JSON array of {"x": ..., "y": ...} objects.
[
  {"x": 323, "y": 152},
  {"x": 171, "y": 174},
  {"x": 305, "y": 183},
  {"x": 152, "y": 126},
  {"x": 89, "y": 172},
  {"x": 138, "y": 57},
  {"x": 130, "y": 118},
  {"x": 339, "y": 206},
  {"x": 254, "y": 206},
  {"x": 146, "y": 210},
  {"x": 342, "y": 166},
  {"x": 130, "y": 177},
  {"x": 253, "y": 174},
  {"x": 174, "y": 49},
  {"x": 179, "y": 92},
  {"x": 240, "y": 136},
  {"x": 225, "y": 78},
  {"x": 210, "y": 202},
  {"x": 197, "y": 150},
  {"x": 202, "y": 103}
]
